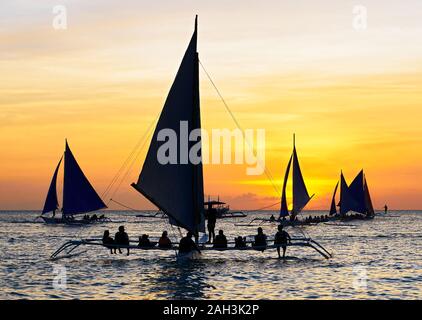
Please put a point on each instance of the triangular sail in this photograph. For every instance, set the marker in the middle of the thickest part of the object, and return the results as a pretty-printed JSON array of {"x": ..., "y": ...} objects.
[
  {"x": 51, "y": 202},
  {"x": 284, "y": 211},
  {"x": 177, "y": 189},
  {"x": 300, "y": 193},
  {"x": 78, "y": 194},
  {"x": 333, "y": 209},
  {"x": 347, "y": 203},
  {"x": 368, "y": 201},
  {"x": 356, "y": 189}
]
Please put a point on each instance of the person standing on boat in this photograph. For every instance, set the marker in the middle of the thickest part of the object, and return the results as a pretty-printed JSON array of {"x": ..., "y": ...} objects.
[
  {"x": 121, "y": 238},
  {"x": 54, "y": 213},
  {"x": 281, "y": 239},
  {"x": 164, "y": 242},
  {"x": 260, "y": 239},
  {"x": 212, "y": 220},
  {"x": 187, "y": 245}
]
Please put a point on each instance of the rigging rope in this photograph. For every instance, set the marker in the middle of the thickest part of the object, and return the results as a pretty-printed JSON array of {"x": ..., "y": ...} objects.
[
  {"x": 124, "y": 206},
  {"x": 267, "y": 172}
]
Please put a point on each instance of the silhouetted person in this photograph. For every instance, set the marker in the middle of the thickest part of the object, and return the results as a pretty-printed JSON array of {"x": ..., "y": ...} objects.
[
  {"x": 281, "y": 239},
  {"x": 144, "y": 242},
  {"x": 260, "y": 239},
  {"x": 385, "y": 209},
  {"x": 220, "y": 240},
  {"x": 272, "y": 218},
  {"x": 54, "y": 213},
  {"x": 186, "y": 244},
  {"x": 121, "y": 238},
  {"x": 212, "y": 220},
  {"x": 164, "y": 241},
  {"x": 107, "y": 241},
  {"x": 94, "y": 217},
  {"x": 239, "y": 242}
]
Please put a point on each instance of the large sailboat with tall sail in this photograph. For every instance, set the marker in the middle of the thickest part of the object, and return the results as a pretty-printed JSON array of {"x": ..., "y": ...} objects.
[
  {"x": 79, "y": 197},
  {"x": 177, "y": 189}
]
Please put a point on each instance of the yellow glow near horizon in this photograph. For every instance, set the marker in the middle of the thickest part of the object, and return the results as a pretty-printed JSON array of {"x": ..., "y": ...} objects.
[{"x": 353, "y": 98}]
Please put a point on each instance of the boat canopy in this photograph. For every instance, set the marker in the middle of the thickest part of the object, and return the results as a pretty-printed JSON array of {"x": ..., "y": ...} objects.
[{"x": 177, "y": 189}]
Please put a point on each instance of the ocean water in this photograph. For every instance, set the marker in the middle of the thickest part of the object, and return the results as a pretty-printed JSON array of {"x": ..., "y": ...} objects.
[{"x": 379, "y": 259}]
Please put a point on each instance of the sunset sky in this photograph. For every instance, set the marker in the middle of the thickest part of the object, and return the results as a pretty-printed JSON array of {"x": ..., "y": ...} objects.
[{"x": 353, "y": 97}]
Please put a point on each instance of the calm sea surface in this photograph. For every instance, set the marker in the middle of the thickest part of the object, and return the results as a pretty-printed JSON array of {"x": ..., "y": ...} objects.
[{"x": 379, "y": 259}]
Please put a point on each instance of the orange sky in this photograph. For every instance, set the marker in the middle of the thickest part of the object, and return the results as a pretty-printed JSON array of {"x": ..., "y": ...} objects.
[{"x": 353, "y": 98}]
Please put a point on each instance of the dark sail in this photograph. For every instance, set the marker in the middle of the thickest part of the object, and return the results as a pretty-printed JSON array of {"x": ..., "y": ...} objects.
[
  {"x": 300, "y": 193},
  {"x": 78, "y": 194},
  {"x": 333, "y": 209},
  {"x": 368, "y": 202},
  {"x": 357, "y": 191},
  {"x": 51, "y": 202},
  {"x": 177, "y": 188},
  {"x": 347, "y": 203},
  {"x": 284, "y": 211}
]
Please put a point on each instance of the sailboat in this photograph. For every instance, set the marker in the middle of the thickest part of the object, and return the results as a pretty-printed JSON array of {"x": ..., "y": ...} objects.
[
  {"x": 177, "y": 189},
  {"x": 353, "y": 198},
  {"x": 79, "y": 197},
  {"x": 300, "y": 195}
]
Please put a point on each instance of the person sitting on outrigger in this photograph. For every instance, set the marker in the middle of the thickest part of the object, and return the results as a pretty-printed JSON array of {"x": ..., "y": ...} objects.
[
  {"x": 186, "y": 244},
  {"x": 144, "y": 242},
  {"x": 94, "y": 217},
  {"x": 220, "y": 241},
  {"x": 101, "y": 217},
  {"x": 281, "y": 238},
  {"x": 260, "y": 240},
  {"x": 107, "y": 241},
  {"x": 122, "y": 238},
  {"x": 272, "y": 218},
  {"x": 240, "y": 242},
  {"x": 164, "y": 241}
]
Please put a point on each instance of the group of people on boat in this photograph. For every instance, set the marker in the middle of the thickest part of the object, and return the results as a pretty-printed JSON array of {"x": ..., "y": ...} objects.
[
  {"x": 317, "y": 219},
  {"x": 187, "y": 243},
  {"x": 94, "y": 217}
]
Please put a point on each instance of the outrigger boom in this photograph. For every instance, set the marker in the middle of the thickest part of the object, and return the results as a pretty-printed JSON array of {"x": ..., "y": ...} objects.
[{"x": 71, "y": 245}]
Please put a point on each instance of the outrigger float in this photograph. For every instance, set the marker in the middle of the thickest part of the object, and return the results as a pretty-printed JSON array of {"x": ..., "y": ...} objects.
[
  {"x": 177, "y": 189},
  {"x": 69, "y": 247}
]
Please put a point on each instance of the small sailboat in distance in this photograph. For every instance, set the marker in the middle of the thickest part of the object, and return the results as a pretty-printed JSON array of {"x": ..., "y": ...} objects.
[
  {"x": 79, "y": 197},
  {"x": 354, "y": 198},
  {"x": 300, "y": 195}
]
